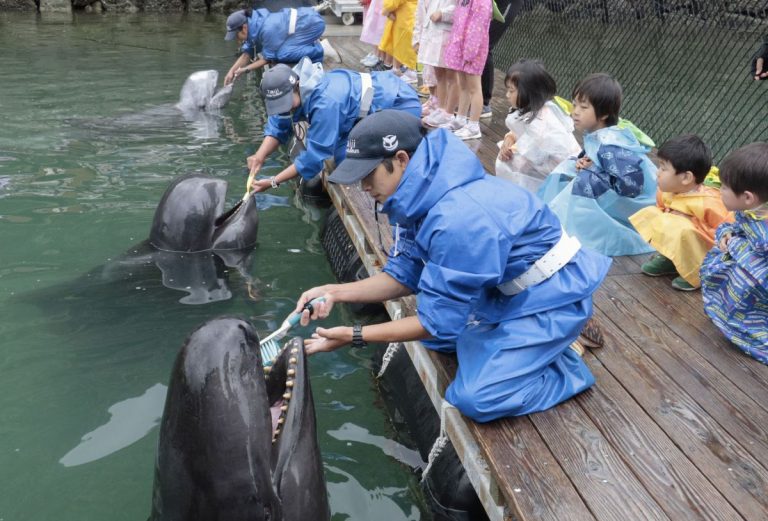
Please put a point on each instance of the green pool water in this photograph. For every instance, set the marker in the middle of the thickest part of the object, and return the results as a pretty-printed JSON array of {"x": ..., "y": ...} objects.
[{"x": 89, "y": 141}]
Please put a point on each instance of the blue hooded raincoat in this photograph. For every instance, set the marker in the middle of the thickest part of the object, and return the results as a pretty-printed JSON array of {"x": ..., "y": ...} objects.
[
  {"x": 268, "y": 35},
  {"x": 459, "y": 233},
  {"x": 331, "y": 105},
  {"x": 595, "y": 203}
]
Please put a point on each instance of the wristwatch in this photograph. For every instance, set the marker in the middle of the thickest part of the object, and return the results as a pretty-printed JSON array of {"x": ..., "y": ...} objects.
[
  {"x": 357, "y": 336},
  {"x": 273, "y": 181}
]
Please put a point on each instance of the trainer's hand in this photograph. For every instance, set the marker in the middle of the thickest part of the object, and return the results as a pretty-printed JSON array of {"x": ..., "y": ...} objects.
[
  {"x": 320, "y": 310},
  {"x": 326, "y": 340},
  {"x": 255, "y": 162},
  {"x": 261, "y": 185},
  {"x": 229, "y": 78}
]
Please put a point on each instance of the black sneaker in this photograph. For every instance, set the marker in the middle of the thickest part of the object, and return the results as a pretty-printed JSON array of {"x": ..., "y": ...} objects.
[{"x": 381, "y": 66}]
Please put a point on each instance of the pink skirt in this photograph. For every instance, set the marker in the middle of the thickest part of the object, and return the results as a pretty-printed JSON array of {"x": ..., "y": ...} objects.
[{"x": 373, "y": 23}]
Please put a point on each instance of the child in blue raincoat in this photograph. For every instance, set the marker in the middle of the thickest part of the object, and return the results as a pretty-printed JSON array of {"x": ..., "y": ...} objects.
[
  {"x": 497, "y": 280},
  {"x": 331, "y": 103},
  {"x": 734, "y": 274},
  {"x": 285, "y": 36},
  {"x": 595, "y": 193}
]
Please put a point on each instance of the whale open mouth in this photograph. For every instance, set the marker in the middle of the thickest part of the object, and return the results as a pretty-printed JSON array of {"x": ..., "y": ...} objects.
[{"x": 280, "y": 378}]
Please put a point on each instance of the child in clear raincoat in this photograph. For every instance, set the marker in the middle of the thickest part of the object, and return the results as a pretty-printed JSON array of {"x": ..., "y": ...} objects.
[
  {"x": 540, "y": 133},
  {"x": 734, "y": 274},
  {"x": 431, "y": 34},
  {"x": 594, "y": 194},
  {"x": 681, "y": 227}
]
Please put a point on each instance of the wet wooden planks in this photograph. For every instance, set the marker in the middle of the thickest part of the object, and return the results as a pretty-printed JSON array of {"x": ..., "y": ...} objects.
[{"x": 676, "y": 426}]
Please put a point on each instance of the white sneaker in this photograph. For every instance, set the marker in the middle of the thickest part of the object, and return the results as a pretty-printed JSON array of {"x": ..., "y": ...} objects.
[
  {"x": 370, "y": 60},
  {"x": 329, "y": 53},
  {"x": 455, "y": 124},
  {"x": 409, "y": 76},
  {"x": 437, "y": 118},
  {"x": 469, "y": 131}
]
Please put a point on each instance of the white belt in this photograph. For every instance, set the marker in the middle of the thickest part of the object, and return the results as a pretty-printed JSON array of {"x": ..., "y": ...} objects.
[
  {"x": 292, "y": 21},
  {"x": 366, "y": 94},
  {"x": 558, "y": 256}
]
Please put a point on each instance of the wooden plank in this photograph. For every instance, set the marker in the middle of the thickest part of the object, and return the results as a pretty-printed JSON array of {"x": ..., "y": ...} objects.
[
  {"x": 609, "y": 488},
  {"x": 725, "y": 403},
  {"x": 669, "y": 476},
  {"x": 532, "y": 480},
  {"x": 730, "y": 468},
  {"x": 702, "y": 336}
]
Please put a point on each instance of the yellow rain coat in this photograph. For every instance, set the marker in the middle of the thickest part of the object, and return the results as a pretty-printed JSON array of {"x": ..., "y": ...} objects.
[
  {"x": 682, "y": 227},
  {"x": 398, "y": 33}
]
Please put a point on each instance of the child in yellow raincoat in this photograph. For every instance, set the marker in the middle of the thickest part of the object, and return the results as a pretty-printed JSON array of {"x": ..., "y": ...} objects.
[
  {"x": 681, "y": 227},
  {"x": 398, "y": 32}
]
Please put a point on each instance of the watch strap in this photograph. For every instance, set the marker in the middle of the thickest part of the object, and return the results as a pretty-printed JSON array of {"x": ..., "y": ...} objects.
[{"x": 357, "y": 336}]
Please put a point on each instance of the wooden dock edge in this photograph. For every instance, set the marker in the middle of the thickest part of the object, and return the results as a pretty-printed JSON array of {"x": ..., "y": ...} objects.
[{"x": 452, "y": 422}]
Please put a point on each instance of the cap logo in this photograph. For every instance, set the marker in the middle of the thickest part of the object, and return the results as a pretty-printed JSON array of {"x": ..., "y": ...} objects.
[
  {"x": 352, "y": 147},
  {"x": 292, "y": 79},
  {"x": 274, "y": 93},
  {"x": 389, "y": 142}
]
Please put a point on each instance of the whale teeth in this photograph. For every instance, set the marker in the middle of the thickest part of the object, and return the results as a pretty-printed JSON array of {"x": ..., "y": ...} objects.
[
  {"x": 280, "y": 421},
  {"x": 287, "y": 396},
  {"x": 294, "y": 350},
  {"x": 291, "y": 372},
  {"x": 284, "y": 408},
  {"x": 267, "y": 369},
  {"x": 292, "y": 360},
  {"x": 289, "y": 383}
]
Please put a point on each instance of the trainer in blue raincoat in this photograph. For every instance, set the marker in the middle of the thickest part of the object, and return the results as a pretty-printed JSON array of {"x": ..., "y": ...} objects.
[
  {"x": 595, "y": 203},
  {"x": 285, "y": 36},
  {"x": 497, "y": 280},
  {"x": 331, "y": 102}
]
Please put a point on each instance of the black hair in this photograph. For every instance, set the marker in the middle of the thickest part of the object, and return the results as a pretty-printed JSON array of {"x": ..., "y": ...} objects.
[
  {"x": 535, "y": 86},
  {"x": 248, "y": 12},
  {"x": 746, "y": 170},
  {"x": 387, "y": 162},
  {"x": 603, "y": 93},
  {"x": 687, "y": 153}
]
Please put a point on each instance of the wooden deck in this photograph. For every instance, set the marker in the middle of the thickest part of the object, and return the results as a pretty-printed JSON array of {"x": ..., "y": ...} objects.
[{"x": 675, "y": 428}]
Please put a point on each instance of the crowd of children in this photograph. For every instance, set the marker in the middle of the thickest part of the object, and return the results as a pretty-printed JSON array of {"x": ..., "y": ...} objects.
[
  {"x": 707, "y": 232},
  {"x": 449, "y": 39}
]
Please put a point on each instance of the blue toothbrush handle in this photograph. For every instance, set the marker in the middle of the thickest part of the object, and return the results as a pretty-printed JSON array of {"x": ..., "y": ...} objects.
[{"x": 295, "y": 317}]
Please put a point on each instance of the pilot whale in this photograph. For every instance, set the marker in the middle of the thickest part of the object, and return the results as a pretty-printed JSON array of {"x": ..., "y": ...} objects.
[
  {"x": 198, "y": 109},
  {"x": 237, "y": 442},
  {"x": 193, "y": 240}
]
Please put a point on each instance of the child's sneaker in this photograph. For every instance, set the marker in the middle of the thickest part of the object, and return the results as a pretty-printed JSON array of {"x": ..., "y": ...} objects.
[
  {"x": 371, "y": 60},
  {"x": 679, "y": 283},
  {"x": 437, "y": 118},
  {"x": 658, "y": 265},
  {"x": 469, "y": 131},
  {"x": 381, "y": 66},
  {"x": 409, "y": 76},
  {"x": 454, "y": 124},
  {"x": 487, "y": 112},
  {"x": 329, "y": 52},
  {"x": 424, "y": 91}
]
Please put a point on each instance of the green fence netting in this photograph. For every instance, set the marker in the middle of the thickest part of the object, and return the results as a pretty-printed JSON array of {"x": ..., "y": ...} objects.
[{"x": 685, "y": 66}]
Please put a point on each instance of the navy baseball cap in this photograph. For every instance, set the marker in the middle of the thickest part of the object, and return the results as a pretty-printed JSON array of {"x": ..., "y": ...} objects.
[
  {"x": 375, "y": 138},
  {"x": 235, "y": 22},
  {"x": 277, "y": 88}
]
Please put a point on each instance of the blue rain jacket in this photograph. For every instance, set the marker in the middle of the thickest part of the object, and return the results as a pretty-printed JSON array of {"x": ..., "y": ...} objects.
[
  {"x": 595, "y": 203},
  {"x": 459, "y": 233},
  {"x": 332, "y": 107},
  {"x": 268, "y": 35}
]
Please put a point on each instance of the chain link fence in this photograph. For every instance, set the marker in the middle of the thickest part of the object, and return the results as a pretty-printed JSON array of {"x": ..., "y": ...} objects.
[{"x": 685, "y": 66}]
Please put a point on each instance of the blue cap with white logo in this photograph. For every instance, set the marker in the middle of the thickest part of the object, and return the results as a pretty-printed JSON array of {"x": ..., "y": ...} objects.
[
  {"x": 235, "y": 22},
  {"x": 375, "y": 138}
]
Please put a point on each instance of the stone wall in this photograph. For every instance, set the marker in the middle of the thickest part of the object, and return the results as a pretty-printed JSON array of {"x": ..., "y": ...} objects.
[{"x": 123, "y": 6}]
